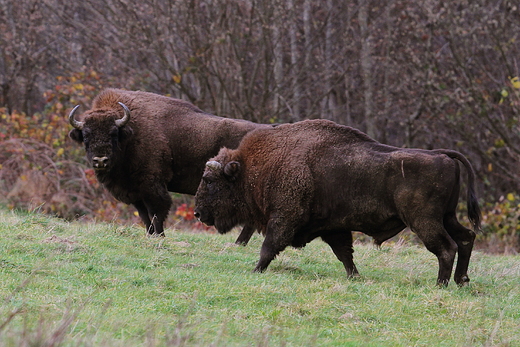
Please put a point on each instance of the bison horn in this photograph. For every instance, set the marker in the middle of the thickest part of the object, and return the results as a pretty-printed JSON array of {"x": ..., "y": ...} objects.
[
  {"x": 126, "y": 117},
  {"x": 214, "y": 165},
  {"x": 76, "y": 124}
]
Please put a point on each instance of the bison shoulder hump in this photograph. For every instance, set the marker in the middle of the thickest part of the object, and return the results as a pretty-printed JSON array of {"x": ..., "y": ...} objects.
[{"x": 107, "y": 98}]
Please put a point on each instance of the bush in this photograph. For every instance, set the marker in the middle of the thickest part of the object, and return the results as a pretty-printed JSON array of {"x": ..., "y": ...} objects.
[
  {"x": 501, "y": 225},
  {"x": 42, "y": 169}
]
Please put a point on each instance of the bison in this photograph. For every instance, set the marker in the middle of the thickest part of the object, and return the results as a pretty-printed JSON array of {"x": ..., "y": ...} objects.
[
  {"x": 315, "y": 178},
  {"x": 143, "y": 145}
]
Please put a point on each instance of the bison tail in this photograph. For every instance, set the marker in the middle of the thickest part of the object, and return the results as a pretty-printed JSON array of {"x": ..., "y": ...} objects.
[
  {"x": 473, "y": 208},
  {"x": 474, "y": 213}
]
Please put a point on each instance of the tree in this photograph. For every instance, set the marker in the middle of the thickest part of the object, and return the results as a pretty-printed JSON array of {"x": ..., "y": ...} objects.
[{"x": 410, "y": 73}]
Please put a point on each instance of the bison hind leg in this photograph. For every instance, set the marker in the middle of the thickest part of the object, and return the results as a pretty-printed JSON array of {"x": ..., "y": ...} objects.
[
  {"x": 464, "y": 238},
  {"x": 436, "y": 239},
  {"x": 341, "y": 244}
]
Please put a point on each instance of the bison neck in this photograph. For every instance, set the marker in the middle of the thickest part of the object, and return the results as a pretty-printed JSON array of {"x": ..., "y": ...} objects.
[{"x": 118, "y": 184}]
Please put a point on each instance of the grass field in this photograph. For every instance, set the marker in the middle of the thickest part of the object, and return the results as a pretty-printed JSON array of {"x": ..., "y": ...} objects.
[{"x": 73, "y": 284}]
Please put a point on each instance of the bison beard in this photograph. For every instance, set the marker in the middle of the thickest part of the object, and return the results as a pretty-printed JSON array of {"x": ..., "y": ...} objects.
[
  {"x": 143, "y": 146},
  {"x": 315, "y": 179}
]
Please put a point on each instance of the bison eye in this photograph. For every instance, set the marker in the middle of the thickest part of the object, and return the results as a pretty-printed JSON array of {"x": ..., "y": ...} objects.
[{"x": 206, "y": 180}]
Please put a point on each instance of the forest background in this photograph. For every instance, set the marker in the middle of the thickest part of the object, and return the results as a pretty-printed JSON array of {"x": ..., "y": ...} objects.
[{"x": 425, "y": 73}]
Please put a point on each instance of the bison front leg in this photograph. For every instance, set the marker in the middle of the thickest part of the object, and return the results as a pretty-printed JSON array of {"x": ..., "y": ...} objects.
[
  {"x": 153, "y": 211},
  {"x": 276, "y": 240},
  {"x": 159, "y": 212},
  {"x": 245, "y": 235},
  {"x": 341, "y": 244},
  {"x": 145, "y": 218}
]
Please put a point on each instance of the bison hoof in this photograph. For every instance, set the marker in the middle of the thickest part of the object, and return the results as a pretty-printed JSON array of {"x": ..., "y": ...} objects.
[
  {"x": 156, "y": 235},
  {"x": 443, "y": 283},
  {"x": 463, "y": 281}
]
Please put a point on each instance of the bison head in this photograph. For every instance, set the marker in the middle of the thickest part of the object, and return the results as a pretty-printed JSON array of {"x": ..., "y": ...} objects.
[
  {"x": 102, "y": 132},
  {"x": 218, "y": 200}
]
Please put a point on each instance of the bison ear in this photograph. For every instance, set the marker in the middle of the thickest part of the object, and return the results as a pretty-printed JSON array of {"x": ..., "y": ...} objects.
[
  {"x": 76, "y": 135},
  {"x": 232, "y": 169}
]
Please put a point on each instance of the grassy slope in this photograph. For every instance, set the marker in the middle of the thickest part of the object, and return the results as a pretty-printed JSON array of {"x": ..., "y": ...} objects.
[{"x": 109, "y": 285}]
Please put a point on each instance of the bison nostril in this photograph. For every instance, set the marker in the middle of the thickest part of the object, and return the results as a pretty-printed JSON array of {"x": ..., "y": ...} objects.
[
  {"x": 100, "y": 162},
  {"x": 196, "y": 214}
]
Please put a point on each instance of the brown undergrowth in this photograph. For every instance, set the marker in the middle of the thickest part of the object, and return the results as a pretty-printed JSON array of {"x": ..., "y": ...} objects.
[
  {"x": 42, "y": 170},
  {"x": 35, "y": 177}
]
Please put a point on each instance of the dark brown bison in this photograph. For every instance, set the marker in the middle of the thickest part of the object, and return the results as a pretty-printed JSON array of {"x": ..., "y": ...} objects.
[
  {"x": 316, "y": 178},
  {"x": 143, "y": 145}
]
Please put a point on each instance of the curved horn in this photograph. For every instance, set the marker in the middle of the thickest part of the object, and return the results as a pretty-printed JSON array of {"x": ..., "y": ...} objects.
[
  {"x": 76, "y": 124},
  {"x": 214, "y": 165},
  {"x": 126, "y": 117}
]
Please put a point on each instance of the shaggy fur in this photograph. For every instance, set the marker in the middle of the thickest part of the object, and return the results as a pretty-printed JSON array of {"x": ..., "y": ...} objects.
[
  {"x": 315, "y": 179},
  {"x": 163, "y": 148}
]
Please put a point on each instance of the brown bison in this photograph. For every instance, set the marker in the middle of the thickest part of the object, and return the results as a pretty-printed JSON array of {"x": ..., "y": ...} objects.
[
  {"x": 142, "y": 145},
  {"x": 316, "y": 178}
]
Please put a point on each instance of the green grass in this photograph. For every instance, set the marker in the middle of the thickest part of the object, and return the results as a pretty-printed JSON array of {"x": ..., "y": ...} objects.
[{"x": 73, "y": 284}]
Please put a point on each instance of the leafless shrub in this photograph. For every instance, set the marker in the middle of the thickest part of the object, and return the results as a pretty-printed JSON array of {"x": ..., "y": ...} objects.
[{"x": 33, "y": 176}]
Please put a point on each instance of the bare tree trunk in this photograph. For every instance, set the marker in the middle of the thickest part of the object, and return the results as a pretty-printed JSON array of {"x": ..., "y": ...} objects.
[
  {"x": 366, "y": 68},
  {"x": 347, "y": 119},
  {"x": 326, "y": 103},
  {"x": 387, "y": 96},
  {"x": 5, "y": 69},
  {"x": 295, "y": 69},
  {"x": 278, "y": 59},
  {"x": 307, "y": 49},
  {"x": 4, "y": 85},
  {"x": 307, "y": 31}
]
